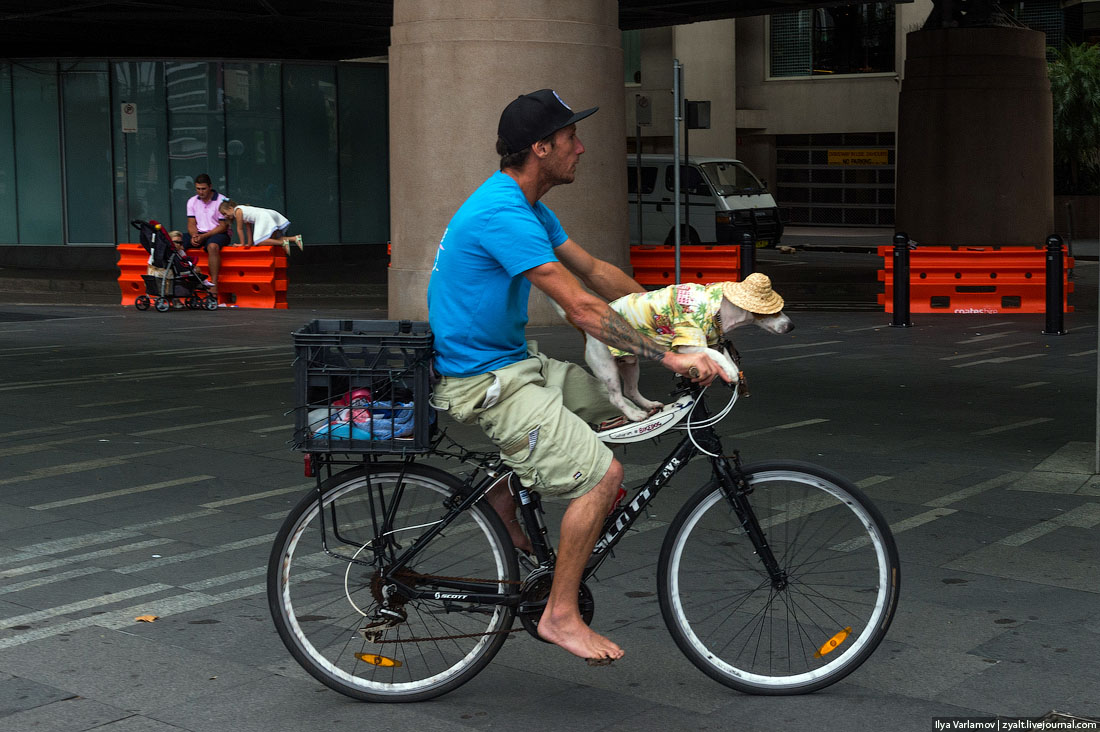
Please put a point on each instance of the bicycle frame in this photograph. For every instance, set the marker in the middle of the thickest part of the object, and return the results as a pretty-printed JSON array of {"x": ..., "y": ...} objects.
[{"x": 726, "y": 473}]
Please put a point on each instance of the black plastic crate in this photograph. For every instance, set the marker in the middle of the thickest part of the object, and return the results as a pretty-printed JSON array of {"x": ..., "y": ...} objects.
[{"x": 352, "y": 382}]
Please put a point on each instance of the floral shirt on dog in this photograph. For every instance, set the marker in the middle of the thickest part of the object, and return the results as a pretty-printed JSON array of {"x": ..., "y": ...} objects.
[{"x": 677, "y": 315}]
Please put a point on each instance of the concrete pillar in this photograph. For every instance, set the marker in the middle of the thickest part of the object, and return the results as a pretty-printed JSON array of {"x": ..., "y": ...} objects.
[
  {"x": 707, "y": 52},
  {"x": 454, "y": 66},
  {"x": 975, "y": 137}
]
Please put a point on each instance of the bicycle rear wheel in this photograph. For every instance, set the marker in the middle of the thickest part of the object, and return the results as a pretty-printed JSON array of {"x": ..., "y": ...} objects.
[
  {"x": 326, "y": 604},
  {"x": 840, "y": 566}
]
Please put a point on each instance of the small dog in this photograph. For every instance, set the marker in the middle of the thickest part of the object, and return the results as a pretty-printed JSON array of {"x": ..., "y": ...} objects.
[{"x": 689, "y": 319}]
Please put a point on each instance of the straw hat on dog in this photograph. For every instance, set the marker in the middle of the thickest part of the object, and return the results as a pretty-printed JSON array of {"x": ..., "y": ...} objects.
[{"x": 754, "y": 294}]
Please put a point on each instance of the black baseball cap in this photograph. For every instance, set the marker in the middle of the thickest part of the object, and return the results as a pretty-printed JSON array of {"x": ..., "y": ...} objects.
[{"x": 531, "y": 117}]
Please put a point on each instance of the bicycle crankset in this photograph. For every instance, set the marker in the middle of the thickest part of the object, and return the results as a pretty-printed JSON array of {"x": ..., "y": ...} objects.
[{"x": 533, "y": 595}]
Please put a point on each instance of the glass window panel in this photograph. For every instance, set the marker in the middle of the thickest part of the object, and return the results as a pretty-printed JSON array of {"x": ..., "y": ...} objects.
[
  {"x": 37, "y": 154},
  {"x": 790, "y": 43},
  {"x": 848, "y": 39},
  {"x": 364, "y": 154},
  {"x": 632, "y": 56},
  {"x": 196, "y": 130},
  {"x": 312, "y": 157},
  {"x": 853, "y": 39},
  {"x": 142, "y": 183},
  {"x": 89, "y": 203},
  {"x": 254, "y": 130},
  {"x": 9, "y": 220}
]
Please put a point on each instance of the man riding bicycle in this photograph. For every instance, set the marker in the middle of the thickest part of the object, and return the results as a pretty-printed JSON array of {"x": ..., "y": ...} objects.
[{"x": 536, "y": 409}]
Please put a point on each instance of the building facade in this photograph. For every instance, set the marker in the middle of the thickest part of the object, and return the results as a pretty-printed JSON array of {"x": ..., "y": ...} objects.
[{"x": 88, "y": 146}]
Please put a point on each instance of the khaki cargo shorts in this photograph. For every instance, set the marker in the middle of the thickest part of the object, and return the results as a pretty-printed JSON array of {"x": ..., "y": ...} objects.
[{"x": 537, "y": 411}]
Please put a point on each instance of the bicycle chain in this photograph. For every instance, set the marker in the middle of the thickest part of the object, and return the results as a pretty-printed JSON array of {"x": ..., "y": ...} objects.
[{"x": 417, "y": 575}]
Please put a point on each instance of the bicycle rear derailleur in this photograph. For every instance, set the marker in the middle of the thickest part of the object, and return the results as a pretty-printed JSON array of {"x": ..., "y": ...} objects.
[{"x": 533, "y": 594}]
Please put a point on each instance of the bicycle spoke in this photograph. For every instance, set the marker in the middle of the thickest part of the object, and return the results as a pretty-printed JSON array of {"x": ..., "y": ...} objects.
[
  {"x": 424, "y": 647},
  {"x": 807, "y": 627}
]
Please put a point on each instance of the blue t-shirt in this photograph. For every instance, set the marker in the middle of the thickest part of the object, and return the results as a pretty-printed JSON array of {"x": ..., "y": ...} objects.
[{"x": 477, "y": 295}]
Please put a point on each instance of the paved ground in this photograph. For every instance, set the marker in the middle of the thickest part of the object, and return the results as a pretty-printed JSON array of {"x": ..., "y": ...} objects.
[{"x": 146, "y": 471}]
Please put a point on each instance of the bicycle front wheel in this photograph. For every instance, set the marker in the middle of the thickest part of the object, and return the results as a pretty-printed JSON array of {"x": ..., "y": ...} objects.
[
  {"x": 357, "y": 633},
  {"x": 803, "y": 627}
]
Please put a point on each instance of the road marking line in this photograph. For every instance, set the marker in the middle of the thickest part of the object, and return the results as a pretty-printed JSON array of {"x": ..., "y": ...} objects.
[
  {"x": 198, "y": 425},
  {"x": 1085, "y": 516},
  {"x": 258, "y": 496},
  {"x": 197, "y": 554},
  {"x": 31, "y": 431},
  {"x": 129, "y": 415},
  {"x": 18, "y": 351},
  {"x": 987, "y": 337},
  {"x": 807, "y": 355},
  {"x": 873, "y": 480},
  {"x": 74, "y": 607},
  {"x": 910, "y": 523},
  {"x": 1083, "y": 353},
  {"x": 791, "y": 426},
  {"x": 59, "y": 577},
  {"x": 265, "y": 382},
  {"x": 1031, "y": 385},
  {"x": 84, "y": 465},
  {"x": 68, "y": 544},
  {"x": 985, "y": 351},
  {"x": 41, "y": 446},
  {"x": 1014, "y": 426},
  {"x": 108, "y": 404},
  {"x": 122, "y": 492},
  {"x": 1002, "y": 359},
  {"x": 264, "y": 430},
  {"x": 162, "y": 607},
  {"x": 88, "y": 557},
  {"x": 791, "y": 346},
  {"x": 226, "y": 579},
  {"x": 973, "y": 490}
]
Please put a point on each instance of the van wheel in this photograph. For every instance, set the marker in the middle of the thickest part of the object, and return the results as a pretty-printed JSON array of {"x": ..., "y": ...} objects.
[{"x": 688, "y": 235}]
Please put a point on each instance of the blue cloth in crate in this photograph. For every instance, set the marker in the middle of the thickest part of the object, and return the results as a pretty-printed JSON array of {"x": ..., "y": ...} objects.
[{"x": 388, "y": 420}]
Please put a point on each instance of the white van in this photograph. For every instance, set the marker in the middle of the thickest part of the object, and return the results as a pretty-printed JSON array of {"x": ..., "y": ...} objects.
[{"x": 724, "y": 199}]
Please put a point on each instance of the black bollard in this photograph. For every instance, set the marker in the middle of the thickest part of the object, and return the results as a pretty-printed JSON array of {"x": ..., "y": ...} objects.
[
  {"x": 901, "y": 281},
  {"x": 748, "y": 255},
  {"x": 1055, "y": 292}
]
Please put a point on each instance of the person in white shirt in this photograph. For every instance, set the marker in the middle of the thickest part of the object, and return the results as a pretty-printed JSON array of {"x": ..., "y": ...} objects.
[{"x": 207, "y": 228}]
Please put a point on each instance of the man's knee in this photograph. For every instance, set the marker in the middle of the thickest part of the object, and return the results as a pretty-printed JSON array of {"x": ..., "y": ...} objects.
[{"x": 608, "y": 487}]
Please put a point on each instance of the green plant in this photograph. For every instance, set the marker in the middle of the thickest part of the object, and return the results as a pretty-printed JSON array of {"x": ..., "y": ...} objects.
[{"x": 1075, "y": 88}]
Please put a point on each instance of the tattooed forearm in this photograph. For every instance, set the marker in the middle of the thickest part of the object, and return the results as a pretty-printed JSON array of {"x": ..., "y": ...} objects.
[{"x": 616, "y": 332}]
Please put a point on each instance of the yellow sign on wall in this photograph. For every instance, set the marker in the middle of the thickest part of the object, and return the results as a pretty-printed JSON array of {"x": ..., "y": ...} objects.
[{"x": 859, "y": 157}]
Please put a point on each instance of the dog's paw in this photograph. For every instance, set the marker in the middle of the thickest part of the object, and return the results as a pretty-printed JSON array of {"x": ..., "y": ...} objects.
[{"x": 636, "y": 415}]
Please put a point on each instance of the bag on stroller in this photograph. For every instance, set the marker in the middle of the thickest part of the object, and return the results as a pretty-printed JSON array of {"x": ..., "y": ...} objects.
[{"x": 175, "y": 277}]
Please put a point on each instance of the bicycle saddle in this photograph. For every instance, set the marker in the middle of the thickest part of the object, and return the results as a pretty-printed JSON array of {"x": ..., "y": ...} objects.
[{"x": 662, "y": 421}]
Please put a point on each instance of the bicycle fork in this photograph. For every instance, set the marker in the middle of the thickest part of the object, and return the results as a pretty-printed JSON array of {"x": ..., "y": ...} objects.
[{"x": 736, "y": 489}]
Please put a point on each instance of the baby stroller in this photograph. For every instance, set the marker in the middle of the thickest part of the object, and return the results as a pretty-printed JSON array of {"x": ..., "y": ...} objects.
[{"x": 178, "y": 281}]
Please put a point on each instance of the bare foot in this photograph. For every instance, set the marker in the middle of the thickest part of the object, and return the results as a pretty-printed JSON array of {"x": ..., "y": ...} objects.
[{"x": 577, "y": 638}]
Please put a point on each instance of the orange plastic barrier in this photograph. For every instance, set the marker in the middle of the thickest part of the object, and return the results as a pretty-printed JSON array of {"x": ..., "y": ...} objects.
[
  {"x": 974, "y": 280},
  {"x": 256, "y": 277},
  {"x": 700, "y": 264}
]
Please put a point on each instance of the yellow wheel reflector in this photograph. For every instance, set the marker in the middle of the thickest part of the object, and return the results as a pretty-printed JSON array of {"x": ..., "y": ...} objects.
[
  {"x": 378, "y": 660},
  {"x": 833, "y": 643}
]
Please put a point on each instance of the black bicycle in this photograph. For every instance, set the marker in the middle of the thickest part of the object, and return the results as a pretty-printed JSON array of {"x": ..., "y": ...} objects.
[{"x": 395, "y": 581}]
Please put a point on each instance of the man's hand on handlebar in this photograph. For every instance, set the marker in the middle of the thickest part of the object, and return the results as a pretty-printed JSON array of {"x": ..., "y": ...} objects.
[{"x": 699, "y": 367}]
